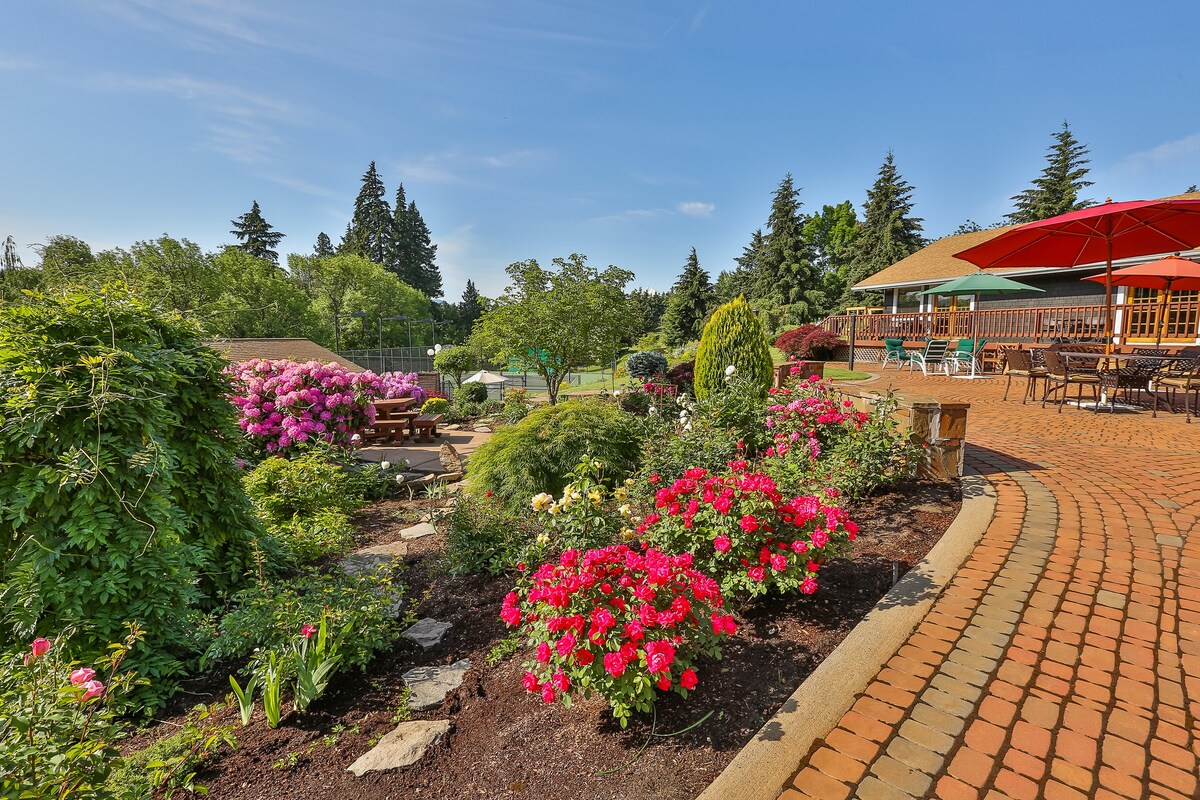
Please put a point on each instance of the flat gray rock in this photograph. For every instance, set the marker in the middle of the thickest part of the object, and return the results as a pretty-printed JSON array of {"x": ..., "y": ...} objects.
[
  {"x": 482, "y": 429},
  {"x": 370, "y": 558},
  {"x": 402, "y": 747},
  {"x": 428, "y": 686},
  {"x": 427, "y": 632},
  {"x": 418, "y": 531}
]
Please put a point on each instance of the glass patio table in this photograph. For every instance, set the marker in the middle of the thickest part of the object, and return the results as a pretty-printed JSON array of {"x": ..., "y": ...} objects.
[{"x": 1110, "y": 378}]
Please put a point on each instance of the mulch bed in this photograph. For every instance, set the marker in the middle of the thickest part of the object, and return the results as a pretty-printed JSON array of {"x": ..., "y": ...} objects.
[{"x": 505, "y": 743}]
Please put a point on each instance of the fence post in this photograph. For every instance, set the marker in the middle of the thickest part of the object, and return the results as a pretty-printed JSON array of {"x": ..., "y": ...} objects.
[{"x": 853, "y": 331}]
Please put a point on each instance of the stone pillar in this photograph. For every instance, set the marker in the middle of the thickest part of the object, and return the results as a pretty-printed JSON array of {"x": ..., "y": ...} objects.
[{"x": 940, "y": 426}]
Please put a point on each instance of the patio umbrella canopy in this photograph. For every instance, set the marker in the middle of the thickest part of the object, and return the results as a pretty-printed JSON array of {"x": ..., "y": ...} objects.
[
  {"x": 979, "y": 283},
  {"x": 1094, "y": 235},
  {"x": 485, "y": 377},
  {"x": 1166, "y": 274}
]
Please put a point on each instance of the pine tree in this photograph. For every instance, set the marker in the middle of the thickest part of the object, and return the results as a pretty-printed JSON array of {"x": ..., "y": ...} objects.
[
  {"x": 470, "y": 309},
  {"x": 1057, "y": 190},
  {"x": 691, "y": 299},
  {"x": 400, "y": 251},
  {"x": 646, "y": 309},
  {"x": 423, "y": 273},
  {"x": 256, "y": 236},
  {"x": 785, "y": 274},
  {"x": 323, "y": 248},
  {"x": 886, "y": 234},
  {"x": 370, "y": 231}
]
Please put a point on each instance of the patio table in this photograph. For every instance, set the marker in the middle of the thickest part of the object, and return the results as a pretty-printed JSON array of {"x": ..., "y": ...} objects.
[
  {"x": 1100, "y": 358},
  {"x": 384, "y": 409}
]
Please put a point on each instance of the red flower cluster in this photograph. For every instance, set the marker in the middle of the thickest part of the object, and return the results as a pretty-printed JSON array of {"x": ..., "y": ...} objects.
[{"x": 613, "y": 614}]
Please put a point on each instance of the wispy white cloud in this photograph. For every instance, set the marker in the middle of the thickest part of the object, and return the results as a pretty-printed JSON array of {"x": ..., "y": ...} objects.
[
  {"x": 1178, "y": 152},
  {"x": 470, "y": 169},
  {"x": 16, "y": 64},
  {"x": 631, "y": 215},
  {"x": 695, "y": 208},
  {"x": 698, "y": 18}
]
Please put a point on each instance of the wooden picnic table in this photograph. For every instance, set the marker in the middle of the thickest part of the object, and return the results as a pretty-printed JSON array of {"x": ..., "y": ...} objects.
[{"x": 385, "y": 409}]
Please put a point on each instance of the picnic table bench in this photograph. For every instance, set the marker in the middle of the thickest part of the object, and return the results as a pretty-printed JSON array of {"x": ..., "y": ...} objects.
[{"x": 424, "y": 427}]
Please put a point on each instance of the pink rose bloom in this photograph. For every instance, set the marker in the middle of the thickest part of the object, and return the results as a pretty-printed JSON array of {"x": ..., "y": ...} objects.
[
  {"x": 531, "y": 682},
  {"x": 722, "y": 544},
  {"x": 548, "y": 694},
  {"x": 779, "y": 562},
  {"x": 659, "y": 657},
  {"x": 561, "y": 681},
  {"x": 565, "y": 645},
  {"x": 820, "y": 538},
  {"x": 614, "y": 664},
  {"x": 543, "y": 652},
  {"x": 808, "y": 585},
  {"x": 82, "y": 675},
  {"x": 40, "y": 647},
  {"x": 756, "y": 573},
  {"x": 92, "y": 689}
]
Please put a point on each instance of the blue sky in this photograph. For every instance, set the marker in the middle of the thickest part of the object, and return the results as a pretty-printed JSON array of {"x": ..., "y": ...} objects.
[{"x": 626, "y": 131}]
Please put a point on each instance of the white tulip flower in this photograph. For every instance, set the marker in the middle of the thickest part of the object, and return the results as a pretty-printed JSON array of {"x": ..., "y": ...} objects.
[
  {"x": 385, "y": 465},
  {"x": 730, "y": 371}
]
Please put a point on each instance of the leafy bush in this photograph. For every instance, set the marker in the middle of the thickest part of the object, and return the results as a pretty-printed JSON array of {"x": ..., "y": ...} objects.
[
  {"x": 621, "y": 623},
  {"x": 534, "y": 455},
  {"x": 283, "y": 489},
  {"x": 171, "y": 763},
  {"x": 485, "y": 537},
  {"x": 328, "y": 532},
  {"x": 284, "y": 404},
  {"x": 587, "y": 515},
  {"x": 682, "y": 377},
  {"x": 454, "y": 361},
  {"x": 516, "y": 404},
  {"x": 744, "y": 534},
  {"x": 268, "y": 614},
  {"x": 821, "y": 441},
  {"x": 474, "y": 392},
  {"x": 646, "y": 365},
  {"x": 58, "y": 727},
  {"x": 808, "y": 342},
  {"x": 436, "y": 405},
  {"x": 120, "y": 497},
  {"x": 635, "y": 400},
  {"x": 733, "y": 338}
]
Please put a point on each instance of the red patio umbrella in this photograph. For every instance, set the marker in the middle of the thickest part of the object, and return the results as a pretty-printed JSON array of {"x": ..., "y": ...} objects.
[
  {"x": 1165, "y": 274},
  {"x": 1094, "y": 235}
]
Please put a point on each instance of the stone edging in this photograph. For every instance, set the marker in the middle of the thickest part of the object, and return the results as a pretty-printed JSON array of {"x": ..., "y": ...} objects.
[{"x": 762, "y": 768}]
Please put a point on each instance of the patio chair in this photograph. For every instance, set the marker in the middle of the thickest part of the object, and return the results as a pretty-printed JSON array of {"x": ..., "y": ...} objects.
[
  {"x": 1180, "y": 365},
  {"x": 1019, "y": 363},
  {"x": 934, "y": 353},
  {"x": 894, "y": 349},
  {"x": 1129, "y": 375},
  {"x": 1187, "y": 381},
  {"x": 1060, "y": 371},
  {"x": 966, "y": 351}
]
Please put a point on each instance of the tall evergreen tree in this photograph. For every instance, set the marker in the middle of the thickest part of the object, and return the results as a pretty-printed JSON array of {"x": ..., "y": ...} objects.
[
  {"x": 691, "y": 299},
  {"x": 423, "y": 273},
  {"x": 470, "y": 309},
  {"x": 887, "y": 233},
  {"x": 784, "y": 274},
  {"x": 1056, "y": 191},
  {"x": 371, "y": 228},
  {"x": 646, "y": 309},
  {"x": 256, "y": 236},
  {"x": 323, "y": 248},
  {"x": 401, "y": 250}
]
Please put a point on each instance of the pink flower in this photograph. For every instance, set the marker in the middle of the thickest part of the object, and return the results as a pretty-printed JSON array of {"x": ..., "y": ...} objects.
[
  {"x": 91, "y": 689},
  {"x": 543, "y": 652},
  {"x": 664, "y": 683},
  {"x": 583, "y": 657},
  {"x": 779, "y": 562},
  {"x": 808, "y": 585},
  {"x": 548, "y": 694},
  {"x": 565, "y": 645},
  {"x": 40, "y": 647},
  {"x": 659, "y": 657},
  {"x": 614, "y": 664},
  {"x": 756, "y": 574},
  {"x": 531, "y": 682},
  {"x": 561, "y": 681},
  {"x": 749, "y": 524},
  {"x": 721, "y": 544},
  {"x": 688, "y": 679},
  {"x": 82, "y": 675},
  {"x": 307, "y": 631}
]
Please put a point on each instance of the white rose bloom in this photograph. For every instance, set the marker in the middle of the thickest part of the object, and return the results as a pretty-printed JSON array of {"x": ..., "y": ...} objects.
[
  {"x": 653, "y": 410},
  {"x": 687, "y": 427},
  {"x": 730, "y": 371},
  {"x": 355, "y": 439},
  {"x": 616, "y": 392}
]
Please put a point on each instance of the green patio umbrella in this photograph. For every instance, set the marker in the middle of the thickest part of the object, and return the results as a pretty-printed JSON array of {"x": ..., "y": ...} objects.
[{"x": 979, "y": 283}]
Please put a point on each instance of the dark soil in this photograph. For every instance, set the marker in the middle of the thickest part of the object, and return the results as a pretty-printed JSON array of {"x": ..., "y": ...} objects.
[{"x": 504, "y": 743}]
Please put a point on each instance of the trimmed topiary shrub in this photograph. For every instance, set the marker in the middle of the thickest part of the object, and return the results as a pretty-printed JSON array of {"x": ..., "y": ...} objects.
[
  {"x": 734, "y": 338},
  {"x": 646, "y": 365},
  {"x": 436, "y": 405},
  {"x": 535, "y": 454},
  {"x": 120, "y": 496},
  {"x": 473, "y": 392}
]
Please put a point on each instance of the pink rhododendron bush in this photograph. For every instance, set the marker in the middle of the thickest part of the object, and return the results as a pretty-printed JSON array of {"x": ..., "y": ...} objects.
[
  {"x": 744, "y": 533},
  {"x": 621, "y": 622},
  {"x": 284, "y": 404},
  {"x": 403, "y": 384}
]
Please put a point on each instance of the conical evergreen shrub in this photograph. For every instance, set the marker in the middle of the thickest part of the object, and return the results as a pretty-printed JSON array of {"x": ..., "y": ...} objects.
[{"x": 732, "y": 337}]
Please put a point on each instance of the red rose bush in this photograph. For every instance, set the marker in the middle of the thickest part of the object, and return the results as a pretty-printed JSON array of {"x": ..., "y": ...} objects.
[
  {"x": 744, "y": 533},
  {"x": 621, "y": 622}
]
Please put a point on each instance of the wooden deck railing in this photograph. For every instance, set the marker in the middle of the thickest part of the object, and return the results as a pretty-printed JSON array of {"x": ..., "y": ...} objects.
[{"x": 1133, "y": 321}]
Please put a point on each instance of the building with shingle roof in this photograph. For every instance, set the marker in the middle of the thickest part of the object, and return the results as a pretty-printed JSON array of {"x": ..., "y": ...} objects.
[{"x": 299, "y": 350}]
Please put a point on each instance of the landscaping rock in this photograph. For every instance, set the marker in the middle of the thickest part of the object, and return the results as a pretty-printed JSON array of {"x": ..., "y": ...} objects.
[
  {"x": 451, "y": 462},
  {"x": 428, "y": 686},
  {"x": 402, "y": 747},
  {"x": 451, "y": 477},
  {"x": 482, "y": 429},
  {"x": 418, "y": 531},
  {"x": 427, "y": 632},
  {"x": 369, "y": 558}
]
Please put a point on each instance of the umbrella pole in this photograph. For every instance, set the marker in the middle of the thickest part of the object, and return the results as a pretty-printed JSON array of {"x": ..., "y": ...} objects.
[
  {"x": 1161, "y": 320},
  {"x": 974, "y": 332},
  {"x": 1108, "y": 312}
]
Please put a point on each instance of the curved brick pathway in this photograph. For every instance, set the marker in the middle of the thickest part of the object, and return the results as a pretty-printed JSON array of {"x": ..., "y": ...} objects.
[{"x": 1063, "y": 660}]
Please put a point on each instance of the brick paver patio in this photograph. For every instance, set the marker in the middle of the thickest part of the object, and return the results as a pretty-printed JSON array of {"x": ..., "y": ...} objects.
[{"x": 1063, "y": 660}]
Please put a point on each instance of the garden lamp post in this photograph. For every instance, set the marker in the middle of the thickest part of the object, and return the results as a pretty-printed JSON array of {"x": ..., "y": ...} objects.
[{"x": 337, "y": 328}]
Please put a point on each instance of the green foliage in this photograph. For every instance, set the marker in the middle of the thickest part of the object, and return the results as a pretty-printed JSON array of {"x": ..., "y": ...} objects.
[
  {"x": 557, "y": 321},
  {"x": 435, "y": 405},
  {"x": 532, "y": 456},
  {"x": 327, "y": 532},
  {"x": 733, "y": 337},
  {"x": 57, "y": 738},
  {"x": 780, "y": 264},
  {"x": 473, "y": 392},
  {"x": 485, "y": 537},
  {"x": 652, "y": 342},
  {"x": 271, "y": 613},
  {"x": 516, "y": 405},
  {"x": 119, "y": 492},
  {"x": 455, "y": 362},
  {"x": 170, "y": 765},
  {"x": 504, "y": 649},
  {"x": 586, "y": 516},
  {"x": 691, "y": 299},
  {"x": 646, "y": 365},
  {"x": 283, "y": 489},
  {"x": 256, "y": 236},
  {"x": 1056, "y": 191},
  {"x": 646, "y": 309}
]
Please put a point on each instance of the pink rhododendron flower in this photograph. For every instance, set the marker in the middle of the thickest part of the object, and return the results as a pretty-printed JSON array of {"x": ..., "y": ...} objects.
[{"x": 82, "y": 675}]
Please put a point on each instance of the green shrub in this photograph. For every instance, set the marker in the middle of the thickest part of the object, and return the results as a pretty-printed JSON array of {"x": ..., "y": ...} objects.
[
  {"x": 646, "y": 365},
  {"x": 534, "y": 455},
  {"x": 474, "y": 392},
  {"x": 120, "y": 499},
  {"x": 283, "y": 489},
  {"x": 269, "y": 614},
  {"x": 328, "y": 532},
  {"x": 485, "y": 537},
  {"x": 455, "y": 362},
  {"x": 436, "y": 405},
  {"x": 516, "y": 405},
  {"x": 170, "y": 764},
  {"x": 733, "y": 337}
]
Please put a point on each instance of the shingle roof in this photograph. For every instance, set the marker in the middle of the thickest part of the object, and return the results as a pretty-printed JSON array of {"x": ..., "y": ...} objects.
[
  {"x": 300, "y": 350},
  {"x": 936, "y": 261}
]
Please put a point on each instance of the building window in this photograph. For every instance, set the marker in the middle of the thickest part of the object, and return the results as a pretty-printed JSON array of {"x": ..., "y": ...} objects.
[{"x": 1144, "y": 314}]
